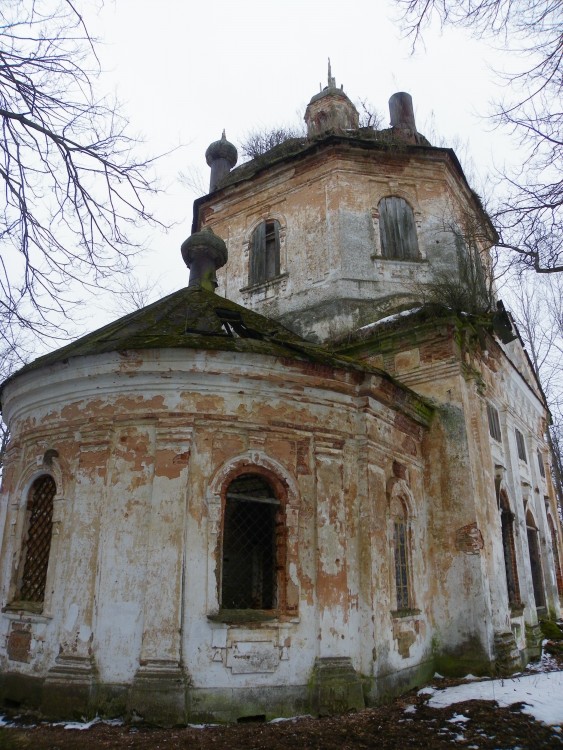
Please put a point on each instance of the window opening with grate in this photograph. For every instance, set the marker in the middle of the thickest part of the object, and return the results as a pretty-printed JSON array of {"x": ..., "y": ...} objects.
[
  {"x": 509, "y": 550},
  {"x": 37, "y": 542},
  {"x": 249, "y": 561},
  {"x": 556, "y": 559},
  {"x": 401, "y": 565},
  {"x": 535, "y": 561}
]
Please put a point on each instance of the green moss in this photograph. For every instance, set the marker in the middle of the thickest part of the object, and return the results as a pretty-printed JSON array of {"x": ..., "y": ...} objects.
[
  {"x": 405, "y": 612},
  {"x": 228, "y": 705},
  {"x": 554, "y": 647},
  {"x": 193, "y": 318},
  {"x": 243, "y": 616},
  {"x": 292, "y": 148},
  {"x": 467, "y": 658},
  {"x": 10, "y": 740},
  {"x": 383, "y": 688},
  {"x": 551, "y": 630},
  {"x": 335, "y": 687}
]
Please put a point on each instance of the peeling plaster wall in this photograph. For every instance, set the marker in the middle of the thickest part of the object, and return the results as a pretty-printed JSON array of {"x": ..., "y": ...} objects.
[
  {"x": 332, "y": 277},
  {"x": 469, "y": 590},
  {"x": 144, "y": 449}
]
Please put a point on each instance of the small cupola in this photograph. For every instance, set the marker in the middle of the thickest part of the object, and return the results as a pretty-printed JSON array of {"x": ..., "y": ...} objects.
[
  {"x": 221, "y": 156},
  {"x": 203, "y": 253},
  {"x": 330, "y": 111}
]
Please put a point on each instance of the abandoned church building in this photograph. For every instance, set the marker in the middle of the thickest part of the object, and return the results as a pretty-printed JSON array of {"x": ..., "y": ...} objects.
[{"x": 305, "y": 482}]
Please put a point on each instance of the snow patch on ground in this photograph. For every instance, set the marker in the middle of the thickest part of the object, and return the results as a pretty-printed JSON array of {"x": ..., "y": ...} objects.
[
  {"x": 80, "y": 725},
  {"x": 202, "y": 726},
  {"x": 541, "y": 694},
  {"x": 458, "y": 719}
]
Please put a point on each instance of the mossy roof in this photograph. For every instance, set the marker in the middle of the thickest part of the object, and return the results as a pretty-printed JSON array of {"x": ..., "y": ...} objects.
[
  {"x": 424, "y": 317},
  {"x": 366, "y": 138},
  {"x": 193, "y": 318}
]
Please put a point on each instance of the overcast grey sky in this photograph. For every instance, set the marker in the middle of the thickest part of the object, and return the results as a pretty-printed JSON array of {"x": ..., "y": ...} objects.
[{"x": 184, "y": 71}]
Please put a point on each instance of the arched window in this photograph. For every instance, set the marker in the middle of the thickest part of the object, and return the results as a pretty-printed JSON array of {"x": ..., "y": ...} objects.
[
  {"x": 252, "y": 548},
  {"x": 401, "y": 555},
  {"x": 535, "y": 560},
  {"x": 397, "y": 229},
  {"x": 556, "y": 559},
  {"x": 510, "y": 566},
  {"x": 37, "y": 540},
  {"x": 264, "y": 252}
]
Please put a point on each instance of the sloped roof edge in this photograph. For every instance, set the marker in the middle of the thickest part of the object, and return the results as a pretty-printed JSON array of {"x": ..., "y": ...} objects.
[{"x": 299, "y": 148}]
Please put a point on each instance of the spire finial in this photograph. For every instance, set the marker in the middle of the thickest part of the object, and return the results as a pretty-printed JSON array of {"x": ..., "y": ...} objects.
[
  {"x": 224, "y": 136},
  {"x": 331, "y": 81}
]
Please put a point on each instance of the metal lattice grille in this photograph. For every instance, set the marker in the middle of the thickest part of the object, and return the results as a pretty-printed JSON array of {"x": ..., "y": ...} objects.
[
  {"x": 401, "y": 565},
  {"x": 535, "y": 565},
  {"x": 249, "y": 545},
  {"x": 35, "y": 552},
  {"x": 555, "y": 548},
  {"x": 510, "y": 565}
]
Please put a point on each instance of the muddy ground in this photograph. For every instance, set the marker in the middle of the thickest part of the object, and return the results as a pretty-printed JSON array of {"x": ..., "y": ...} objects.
[{"x": 407, "y": 722}]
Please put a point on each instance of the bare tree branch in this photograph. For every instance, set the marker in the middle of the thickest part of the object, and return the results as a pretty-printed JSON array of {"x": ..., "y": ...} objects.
[
  {"x": 259, "y": 141},
  {"x": 529, "y": 218},
  {"x": 538, "y": 310},
  {"x": 72, "y": 188}
]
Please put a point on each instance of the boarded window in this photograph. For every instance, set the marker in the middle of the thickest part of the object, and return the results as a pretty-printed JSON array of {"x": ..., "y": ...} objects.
[
  {"x": 37, "y": 540},
  {"x": 397, "y": 229},
  {"x": 494, "y": 423},
  {"x": 250, "y": 545},
  {"x": 520, "y": 445},
  {"x": 541, "y": 464},
  {"x": 264, "y": 252},
  {"x": 511, "y": 569},
  {"x": 535, "y": 561}
]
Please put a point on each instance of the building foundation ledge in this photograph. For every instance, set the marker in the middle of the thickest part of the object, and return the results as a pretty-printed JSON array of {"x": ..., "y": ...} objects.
[
  {"x": 386, "y": 685},
  {"x": 507, "y": 655},
  {"x": 158, "y": 693},
  {"x": 336, "y": 687},
  {"x": 534, "y": 639},
  {"x": 68, "y": 688}
]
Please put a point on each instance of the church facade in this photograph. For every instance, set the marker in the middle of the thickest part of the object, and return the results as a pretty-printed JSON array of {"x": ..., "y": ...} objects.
[{"x": 305, "y": 482}]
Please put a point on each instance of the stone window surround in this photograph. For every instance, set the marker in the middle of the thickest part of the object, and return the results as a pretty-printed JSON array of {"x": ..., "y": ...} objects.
[
  {"x": 45, "y": 463},
  {"x": 253, "y": 548},
  {"x": 394, "y": 191},
  {"x": 535, "y": 545},
  {"x": 521, "y": 446},
  {"x": 247, "y": 248},
  {"x": 494, "y": 422},
  {"x": 253, "y": 462},
  {"x": 401, "y": 504},
  {"x": 508, "y": 529}
]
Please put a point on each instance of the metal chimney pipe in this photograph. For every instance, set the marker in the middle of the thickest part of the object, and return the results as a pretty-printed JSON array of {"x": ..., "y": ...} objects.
[{"x": 401, "y": 111}]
